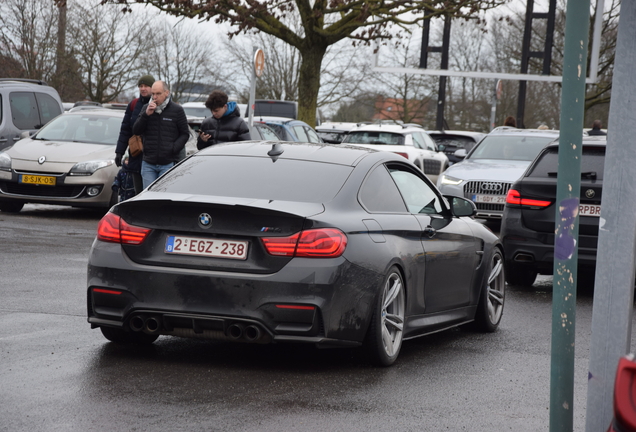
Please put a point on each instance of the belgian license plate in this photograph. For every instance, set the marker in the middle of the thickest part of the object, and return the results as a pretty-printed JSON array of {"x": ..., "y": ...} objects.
[
  {"x": 589, "y": 210},
  {"x": 36, "y": 179},
  {"x": 490, "y": 199},
  {"x": 215, "y": 248}
]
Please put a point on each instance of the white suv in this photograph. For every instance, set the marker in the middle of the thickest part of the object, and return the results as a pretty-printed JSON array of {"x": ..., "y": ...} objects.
[{"x": 409, "y": 140}]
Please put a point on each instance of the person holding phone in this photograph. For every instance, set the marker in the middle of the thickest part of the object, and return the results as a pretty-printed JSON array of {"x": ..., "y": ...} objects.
[{"x": 226, "y": 123}]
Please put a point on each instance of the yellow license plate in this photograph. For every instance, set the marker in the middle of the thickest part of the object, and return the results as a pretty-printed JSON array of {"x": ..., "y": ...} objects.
[{"x": 35, "y": 179}]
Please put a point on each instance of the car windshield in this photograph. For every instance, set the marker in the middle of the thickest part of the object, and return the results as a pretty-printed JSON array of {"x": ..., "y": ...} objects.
[
  {"x": 331, "y": 137},
  {"x": 86, "y": 127},
  {"x": 197, "y": 112},
  {"x": 255, "y": 177},
  {"x": 506, "y": 147},
  {"x": 374, "y": 137}
]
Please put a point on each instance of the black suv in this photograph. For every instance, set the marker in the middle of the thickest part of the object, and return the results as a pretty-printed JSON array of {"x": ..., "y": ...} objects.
[{"x": 527, "y": 227}]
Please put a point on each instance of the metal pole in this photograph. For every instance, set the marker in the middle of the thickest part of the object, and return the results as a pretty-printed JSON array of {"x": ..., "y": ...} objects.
[
  {"x": 441, "y": 95},
  {"x": 614, "y": 283},
  {"x": 493, "y": 108},
  {"x": 567, "y": 217},
  {"x": 252, "y": 101}
]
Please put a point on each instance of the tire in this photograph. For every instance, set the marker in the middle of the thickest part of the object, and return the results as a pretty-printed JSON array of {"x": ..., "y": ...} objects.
[
  {"x": 122, "y": 337},
  {"x": 493, "y": 294},
  {"x": 11, "y": 206},
  {"x": 384, "y": 337},
  {"x": 519, "y": 276}
]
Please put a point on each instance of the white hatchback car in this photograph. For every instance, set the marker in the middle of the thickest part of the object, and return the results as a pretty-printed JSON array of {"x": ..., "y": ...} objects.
[{"x": 410, "y": 141}]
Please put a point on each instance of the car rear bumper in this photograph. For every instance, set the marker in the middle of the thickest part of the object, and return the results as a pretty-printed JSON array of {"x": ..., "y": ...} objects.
[
  {"x": 322, "y": 301},
  {"x": 532, "y": 250}
]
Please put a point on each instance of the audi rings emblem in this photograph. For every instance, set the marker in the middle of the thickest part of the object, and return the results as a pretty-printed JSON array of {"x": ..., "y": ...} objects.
[
  {"x": 205, "y": 220},
  {"x": 491, "y": 187},
  {"x": 590, "y": 193},
  {"x": 41, "y": 159}
]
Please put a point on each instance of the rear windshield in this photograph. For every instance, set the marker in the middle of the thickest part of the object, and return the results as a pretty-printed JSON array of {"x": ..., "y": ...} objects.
[
  {"x": 456, "y": 142},
  {"x": 592, "y": 162},
  {"x": 256, "y": 177},
  {"x": 197, "y": 112},
  {"x": 386, "y": 138},
  {"x": 522, "y": 148}
]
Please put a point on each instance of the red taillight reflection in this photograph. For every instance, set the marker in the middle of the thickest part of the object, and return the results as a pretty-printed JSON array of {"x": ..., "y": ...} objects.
[
  {"x": 286, "y": 306},
  {"x": 514, "y": 197},
  {"x": 317, "y": 243},
  {"x": 106, "y": 291},
  {"x": 405, "y": 155},
  {"x": 113, "y": 228}
]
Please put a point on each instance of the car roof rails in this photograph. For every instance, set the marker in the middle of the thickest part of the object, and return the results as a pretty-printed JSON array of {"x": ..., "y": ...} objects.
[
  {"x": 26, "y": 80},
  {"x": 405, "y": 125}
]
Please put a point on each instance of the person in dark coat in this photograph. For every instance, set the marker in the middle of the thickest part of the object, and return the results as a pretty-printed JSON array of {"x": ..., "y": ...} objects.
[
  {"x": 132, "y": 112},
  {"x": 596, "y": 128},
  {"x": 164, "y": 128},
  {"x": 226, "y": 123}
]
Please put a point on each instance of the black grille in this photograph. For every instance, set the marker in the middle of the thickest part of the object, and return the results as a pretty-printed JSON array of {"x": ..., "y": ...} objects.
[
  {"x": 41, "y": 191},
  {"x": 432, "y": 166},
  {"x": 487, "y": 188}
]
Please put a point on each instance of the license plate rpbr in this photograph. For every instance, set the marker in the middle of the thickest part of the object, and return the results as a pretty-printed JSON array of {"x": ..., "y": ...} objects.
[
  {"x": 215, "y": 248},
  {"x": 589, "y": 210}
]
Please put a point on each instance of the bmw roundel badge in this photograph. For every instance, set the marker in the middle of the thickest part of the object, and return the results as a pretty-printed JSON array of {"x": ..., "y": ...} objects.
[{"x": 205, "y": 220}]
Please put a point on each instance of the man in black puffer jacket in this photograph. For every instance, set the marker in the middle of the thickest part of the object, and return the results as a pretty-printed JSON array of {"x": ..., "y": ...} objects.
[
  {"x": 132, "y": 112},
  {"x": 164, "y": 128},
  {"x": 225, "y": 125}
]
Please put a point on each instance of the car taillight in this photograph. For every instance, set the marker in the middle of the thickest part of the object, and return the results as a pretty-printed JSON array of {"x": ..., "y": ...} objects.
[
  {"x": 514, "y": 197},
  {"x": 405, "y": 155},
  {"x": 316, "y": 243},
  {"x": 113, "y": 228}
]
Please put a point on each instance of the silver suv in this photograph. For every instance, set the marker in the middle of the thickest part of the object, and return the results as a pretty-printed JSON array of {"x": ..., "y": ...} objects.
[{"x": 25, "y": 106}]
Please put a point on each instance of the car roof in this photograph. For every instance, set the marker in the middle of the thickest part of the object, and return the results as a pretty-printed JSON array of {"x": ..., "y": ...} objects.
[
  {"x": 594, "y": 140},
  {"x": 337, "y": 126},
  {"x": 472, "y": 134},
  {"x": 328, "y": 153},
  {"x": 280, "y": 120},
  {"x": 388, "y": 128},
  {"x": 507, "y": 130}
]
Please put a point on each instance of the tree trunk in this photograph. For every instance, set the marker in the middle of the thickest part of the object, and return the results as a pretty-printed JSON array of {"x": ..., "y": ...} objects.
[{"x": 309, "y": 83}]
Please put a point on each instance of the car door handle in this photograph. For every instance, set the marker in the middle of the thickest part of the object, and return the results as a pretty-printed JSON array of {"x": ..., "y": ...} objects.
[
  {"x": 430, "y": 231},
  {"x": 3, "y": 140}
]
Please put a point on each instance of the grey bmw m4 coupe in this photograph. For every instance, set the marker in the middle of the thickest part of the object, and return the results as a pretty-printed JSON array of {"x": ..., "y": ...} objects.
[{"x": 261, "y": 242}]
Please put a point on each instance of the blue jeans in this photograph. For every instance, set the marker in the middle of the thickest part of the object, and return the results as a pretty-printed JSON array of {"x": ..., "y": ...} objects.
[{"x": 151, "y": 172}]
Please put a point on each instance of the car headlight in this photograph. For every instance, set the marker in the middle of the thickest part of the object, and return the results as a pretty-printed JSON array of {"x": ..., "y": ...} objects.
[
  {"x": 448, "y": 180},
  {"x": 5, "y": 161},
  {"x": 89, "y": 167}
]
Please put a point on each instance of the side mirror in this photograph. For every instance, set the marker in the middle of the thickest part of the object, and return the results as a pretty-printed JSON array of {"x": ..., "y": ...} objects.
[
  {"x": 461, "y": 153},
  {"x": 461, "y": 207},
  {"x": 26, "y": 134}
]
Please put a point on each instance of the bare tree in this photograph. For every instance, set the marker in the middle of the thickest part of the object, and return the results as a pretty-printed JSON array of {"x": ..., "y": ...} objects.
[
  {"x": 184, "y": 58},
  {"x": 28, "y": 35},
  {"x": 110, "y": 49},
  {"x": 344, "y": 69},
  {"x": 323, "y": 24}
]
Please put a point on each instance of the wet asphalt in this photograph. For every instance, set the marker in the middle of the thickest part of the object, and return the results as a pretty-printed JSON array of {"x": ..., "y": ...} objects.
[{"x": 56, "y": 374}]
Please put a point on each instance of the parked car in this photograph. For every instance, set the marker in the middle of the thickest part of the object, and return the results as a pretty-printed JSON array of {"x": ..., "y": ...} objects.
[
  {"x": 70, "y": 161},
  {"x": 409, "y": 141},
  {"x": 274, "y": 108},
  {"x": 624, "y": 419},
  {"x": 527, "y": 228},
  {"x": 258, "y": 131},
  {"x": 487, "y": 172},
  {"x": 290, "y": 130},
  {"x": 293, "y": 242},
  {"x": 449, "y": 141},
  {"x": 334, "y": 132},
  {"x": 25, "y": 106},
  {"x": 196, "y": 109}
]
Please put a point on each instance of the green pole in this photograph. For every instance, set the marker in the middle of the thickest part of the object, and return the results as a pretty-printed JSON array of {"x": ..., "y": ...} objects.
[{"x": 567, "y": 218}]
